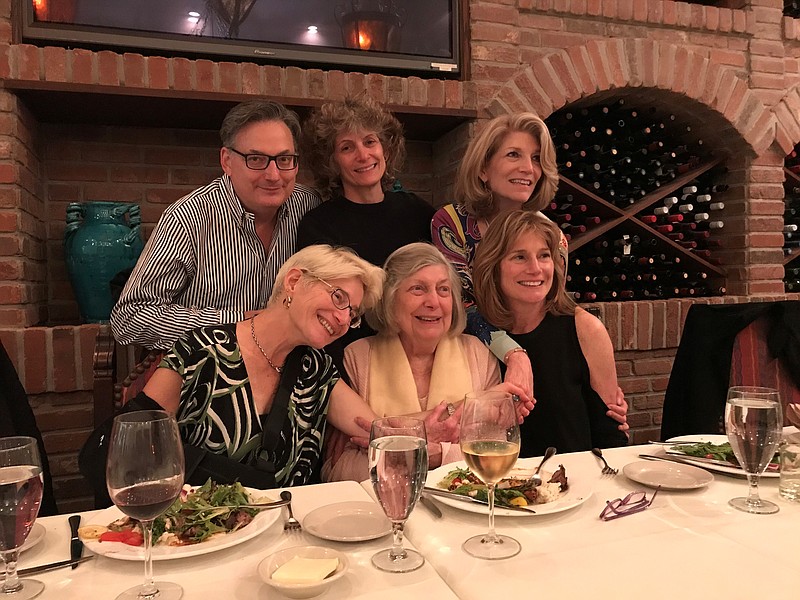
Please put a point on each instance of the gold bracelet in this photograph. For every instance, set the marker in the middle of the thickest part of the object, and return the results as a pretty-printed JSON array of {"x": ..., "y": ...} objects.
[{"x": 510, "y": 352}]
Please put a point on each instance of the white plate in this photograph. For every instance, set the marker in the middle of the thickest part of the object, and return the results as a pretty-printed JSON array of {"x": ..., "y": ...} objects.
[
  {"x": 577, "y": 493},
  {"x": 712, "y": 439},
  {"x": 35, "y": 536},
  {"x": 670, "y": 476},
  {"x": 348, "y": 522},
  {"x": 260, "y": 523}
]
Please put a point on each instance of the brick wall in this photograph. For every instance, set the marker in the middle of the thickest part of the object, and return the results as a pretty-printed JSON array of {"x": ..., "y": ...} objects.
[{"x": 733, "y": 71}]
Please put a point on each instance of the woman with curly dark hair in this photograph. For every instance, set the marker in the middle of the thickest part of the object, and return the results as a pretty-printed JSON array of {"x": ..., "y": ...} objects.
[{"x": 354, "y": 148}]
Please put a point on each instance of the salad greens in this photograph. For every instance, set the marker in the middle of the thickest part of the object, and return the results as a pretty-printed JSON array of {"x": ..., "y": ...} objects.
[
  {"x": 198, "y": 514},
  {"x": 508, "y": 492},
  {"x": 715, "y": 451}
]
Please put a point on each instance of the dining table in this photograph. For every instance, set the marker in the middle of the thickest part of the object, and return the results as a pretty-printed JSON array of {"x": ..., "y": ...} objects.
[{"x": 688, "y": 544}]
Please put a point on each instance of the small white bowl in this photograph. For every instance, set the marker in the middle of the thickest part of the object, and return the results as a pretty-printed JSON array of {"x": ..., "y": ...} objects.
[{"x": 301, "y": 590}]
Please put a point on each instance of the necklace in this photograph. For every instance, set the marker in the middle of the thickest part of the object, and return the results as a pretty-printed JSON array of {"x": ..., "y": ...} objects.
[{"x": 255, "y": 339}]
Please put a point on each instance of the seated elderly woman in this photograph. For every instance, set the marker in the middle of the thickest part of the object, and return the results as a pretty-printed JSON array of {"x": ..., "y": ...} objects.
[
  {"x": 519, "y": 287},
  {"x": 229, "y": 384},
  {"x": 419, "y": 359}
]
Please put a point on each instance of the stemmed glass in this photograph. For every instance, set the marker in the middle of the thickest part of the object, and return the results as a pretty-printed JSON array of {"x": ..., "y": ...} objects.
[
  {"x": 490, "y": 443},
  {"x": 398, "y": 467},
  {"x": 20, "y": 497},
  {"x": 754, "y": 423},
  {"x": 144, "y": 475}
]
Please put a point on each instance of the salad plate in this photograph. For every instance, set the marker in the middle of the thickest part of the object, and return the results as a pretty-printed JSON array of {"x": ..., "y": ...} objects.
[
  {"x": 667, "y": 476},
  {"x": 577, "y": 493},
  {"x": 35, "y": 536},
  {"x": 711, "y": 439},
  {"x": 260, "y": 523},
  {"x": 348, "y": 522}
]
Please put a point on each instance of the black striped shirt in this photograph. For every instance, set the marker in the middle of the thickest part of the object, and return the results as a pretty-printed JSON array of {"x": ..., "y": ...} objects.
[{"x": 204, "y": 264}]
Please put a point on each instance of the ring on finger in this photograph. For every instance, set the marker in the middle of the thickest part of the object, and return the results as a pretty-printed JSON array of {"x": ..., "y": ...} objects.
[
  {"x": 450, "y": 409},
  {"x": 515, "y": 397}
]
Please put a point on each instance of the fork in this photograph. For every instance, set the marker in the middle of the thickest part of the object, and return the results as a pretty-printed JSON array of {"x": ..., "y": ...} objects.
[
  {"x": 291, "y": 523},
  {"x": 607, "y": 470},
  {"x": 536, "y": 478}
]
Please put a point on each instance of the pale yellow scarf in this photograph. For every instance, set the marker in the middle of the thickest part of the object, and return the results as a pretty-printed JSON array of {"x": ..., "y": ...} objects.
[{"x": 392, "y": 390}]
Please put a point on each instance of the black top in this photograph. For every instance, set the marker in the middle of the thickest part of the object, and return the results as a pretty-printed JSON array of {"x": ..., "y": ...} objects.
[
  {"x": 568, "y": 414},
  {"x": 374, "y": 231}
]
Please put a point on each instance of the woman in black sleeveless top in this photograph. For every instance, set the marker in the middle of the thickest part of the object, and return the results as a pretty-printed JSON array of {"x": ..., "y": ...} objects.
[{"x": 519, "y": 287}]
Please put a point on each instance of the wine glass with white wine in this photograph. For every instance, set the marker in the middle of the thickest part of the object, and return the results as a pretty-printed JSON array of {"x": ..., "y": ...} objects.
[
  {"x": 490, "y": 443},
  {"x": 398, "y": 467},
  {"x": 20, "y": 497},
  {"x": 144, "y": 475},
  {"x": 754, "y": 423}
]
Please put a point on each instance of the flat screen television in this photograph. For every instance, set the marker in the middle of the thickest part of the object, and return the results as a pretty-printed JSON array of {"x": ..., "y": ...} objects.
[{"x": 400, "y": 36}]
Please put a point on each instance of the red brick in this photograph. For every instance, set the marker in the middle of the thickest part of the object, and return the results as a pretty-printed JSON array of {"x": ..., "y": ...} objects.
[
  {"x": 37, "y": 361},
  {"x": 108, "y": 68},
  {"x": 55, "y": 64},
  {"x": 27, "y": 62},
  {"x": 274, "y": 80},
  {"x": 229, "y": 78},
  {"x": 65, "y": 441},
  {"x": 88, "y": 338},
  {"x": 133, "y": 66},
  {"x": 157, "y": 72},
  {"x": 182, "y": 74},
  {"x": 205, "y": 75},
  {"x": 251, "y": 79},
  {"x": 295, "y": 82},
  {"x": 64, "y": 375}
]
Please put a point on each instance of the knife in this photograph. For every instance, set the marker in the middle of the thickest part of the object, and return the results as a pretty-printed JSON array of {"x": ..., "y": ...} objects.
[
  {"x": 75, "y": 543},
  {"x": 462, "y": 498},
  {"x": 431, "y": 506},
  {"x": 52, "y": 566},
  {"x": 691, "y": 462}
]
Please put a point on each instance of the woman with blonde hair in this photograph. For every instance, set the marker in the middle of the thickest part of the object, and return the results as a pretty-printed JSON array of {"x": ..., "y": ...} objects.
[
  {"x": 230, "y": 385},
  {"x": 509, "y": 165},
  {"x": 520, "y": 287},
  {"x": 419, "y": 360}
]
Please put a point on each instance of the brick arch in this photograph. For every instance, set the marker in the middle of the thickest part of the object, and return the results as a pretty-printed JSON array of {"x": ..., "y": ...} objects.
[
  {"x": 566, "y": 76},
  {"x": 787, "y": 115}
]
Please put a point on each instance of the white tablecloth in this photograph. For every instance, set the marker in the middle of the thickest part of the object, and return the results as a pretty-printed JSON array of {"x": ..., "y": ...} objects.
[
  {"x": 688, "y": 545},
  {"x": 231, "y": 573}
]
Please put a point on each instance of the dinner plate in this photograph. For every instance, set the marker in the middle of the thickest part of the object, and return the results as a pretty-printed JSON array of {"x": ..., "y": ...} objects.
[
  {"x": 348, "y": 522},
  {"x": 577, "y": 493},
  {"x": 669, "y": 476},
  {"x": 260, "y": 523},
  {"x": 35, "y": 536},
  {"x": 712, "y": 439}
]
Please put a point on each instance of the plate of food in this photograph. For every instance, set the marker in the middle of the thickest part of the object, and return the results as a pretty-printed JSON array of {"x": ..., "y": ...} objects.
[
  {"x": 557, "y": 493},
  {"x": 700, "y": 450},
  {"x": 190, "y": 527}
]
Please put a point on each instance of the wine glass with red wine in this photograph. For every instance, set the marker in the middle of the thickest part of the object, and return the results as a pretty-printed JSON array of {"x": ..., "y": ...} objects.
[
  {"x": 20, "y": 497},
  {"x": 144, "y": 475}
]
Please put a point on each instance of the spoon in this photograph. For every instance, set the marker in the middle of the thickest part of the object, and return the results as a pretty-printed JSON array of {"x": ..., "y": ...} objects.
[{"x": 548, "y": 454}]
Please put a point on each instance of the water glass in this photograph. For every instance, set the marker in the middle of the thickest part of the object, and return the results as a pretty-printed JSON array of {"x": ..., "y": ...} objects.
[
  {"x": 789, "y": 486},
  {"x": 398, "y": 468},
  {"x": 20, "y": 497}
]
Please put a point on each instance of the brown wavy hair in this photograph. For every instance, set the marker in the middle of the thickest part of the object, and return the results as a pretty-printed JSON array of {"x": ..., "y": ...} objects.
[
  {"x": 351, "y": 114},
  {"x": 472, "y": 192},
  {"x": 501, "y": 234}
]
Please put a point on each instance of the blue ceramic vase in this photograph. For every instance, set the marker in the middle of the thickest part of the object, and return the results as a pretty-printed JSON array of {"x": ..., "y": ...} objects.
[{"x": 101, "y": 239}]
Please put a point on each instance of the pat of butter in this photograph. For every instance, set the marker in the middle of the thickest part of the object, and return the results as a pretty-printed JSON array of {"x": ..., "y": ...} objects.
[{"x": 305, "y": 570}]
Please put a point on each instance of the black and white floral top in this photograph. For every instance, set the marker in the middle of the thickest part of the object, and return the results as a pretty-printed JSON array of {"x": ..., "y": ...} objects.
[{"x": 217, "y": 412}]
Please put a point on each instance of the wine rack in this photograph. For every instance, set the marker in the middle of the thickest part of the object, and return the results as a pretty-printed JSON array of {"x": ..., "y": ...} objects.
[
  {"x": 791, "y": 222},
  {"x": 640, "y": 200}
]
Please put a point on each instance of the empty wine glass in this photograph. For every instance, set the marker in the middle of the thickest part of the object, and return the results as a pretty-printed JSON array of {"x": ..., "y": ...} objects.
[
  {"x": 754, "y": 423},
  {"x": 490, "y": 443},
  {"x": 144, "y": 474},
  {"x": 20, "y": 497},
  {"x": 398, "y": 467}
]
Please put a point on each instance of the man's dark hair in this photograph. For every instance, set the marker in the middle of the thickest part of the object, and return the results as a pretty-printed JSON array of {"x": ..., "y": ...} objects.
[{"x": 256, "y": 111}]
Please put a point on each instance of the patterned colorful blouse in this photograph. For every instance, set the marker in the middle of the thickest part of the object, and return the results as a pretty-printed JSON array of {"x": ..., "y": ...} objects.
[{"x": 217, "y": 412}]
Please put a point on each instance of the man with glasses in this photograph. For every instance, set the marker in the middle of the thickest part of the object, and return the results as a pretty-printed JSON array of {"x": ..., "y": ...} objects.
[{"x": 214, "y": 254}]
